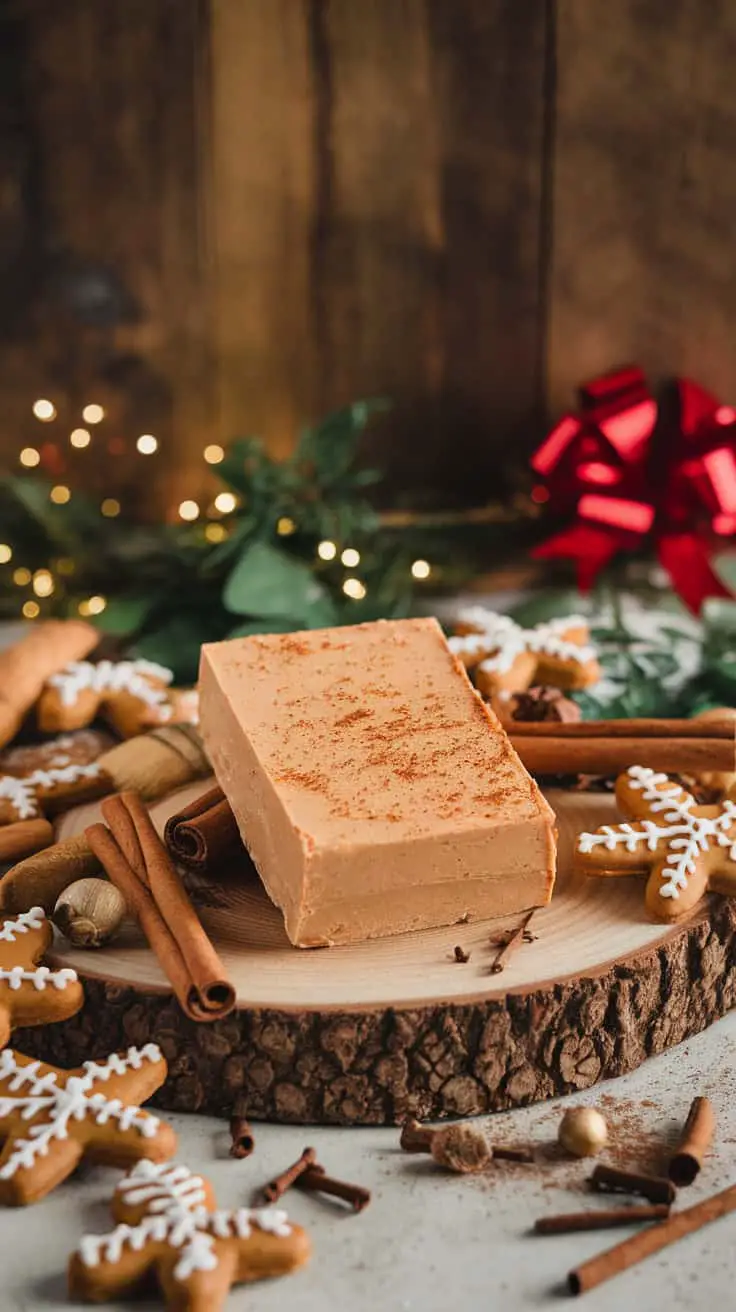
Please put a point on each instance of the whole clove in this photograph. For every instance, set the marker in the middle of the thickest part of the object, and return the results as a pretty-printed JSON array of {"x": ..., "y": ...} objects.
[
  {"x": 280, "y": 1183},
  {"x": 315, "y": 1180},
  {"x": 655, "y": 1188}
]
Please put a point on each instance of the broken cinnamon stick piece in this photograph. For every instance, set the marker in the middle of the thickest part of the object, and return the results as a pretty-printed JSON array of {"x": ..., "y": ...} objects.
[
  {"x": 241, "y": 1134},
  {"x": 315, "y": 1181},
  {"x": 697, "y": 1137},
  {"x": 203, "y": 834},
  {"x": 656, "y": 1189},
  {"x": 649, "y": 1241},
  {"x": 612, "y": 1217},
  {"x": 514, "y": 940},
  {"x": 280, "y": 1183},
  {"x": 505, "y": 1154}
]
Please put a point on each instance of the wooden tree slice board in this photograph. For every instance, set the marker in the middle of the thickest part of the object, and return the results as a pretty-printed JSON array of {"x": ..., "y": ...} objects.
[{"x": 383, "y": 1030}]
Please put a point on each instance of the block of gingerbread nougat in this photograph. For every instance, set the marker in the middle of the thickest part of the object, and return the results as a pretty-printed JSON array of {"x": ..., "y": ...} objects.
[{"x": 374, "y": 790}]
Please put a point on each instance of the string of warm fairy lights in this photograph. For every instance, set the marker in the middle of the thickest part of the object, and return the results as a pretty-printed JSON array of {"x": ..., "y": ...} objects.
[{"x": 42, "y": 581}]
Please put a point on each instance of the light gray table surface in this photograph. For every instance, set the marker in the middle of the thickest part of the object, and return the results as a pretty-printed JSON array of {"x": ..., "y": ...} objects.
[{"x": 428, "y": 1241}]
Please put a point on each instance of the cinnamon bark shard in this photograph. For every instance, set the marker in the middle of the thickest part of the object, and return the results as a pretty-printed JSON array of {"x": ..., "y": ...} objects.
[{"x": 697, "y": 1137}]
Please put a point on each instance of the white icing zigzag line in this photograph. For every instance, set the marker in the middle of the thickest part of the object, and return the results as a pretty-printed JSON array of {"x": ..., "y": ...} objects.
[
  {"x": 22, "y": 924},
  {"x": 41, "y": 977},
  {"x": 174, "y": 1199},
  {"x": 21, "y": 793},
  {"x": 74, "y": 1100},
  {"x": 685, "y": 835},
  {"x": 112, "y": 676},
  {"x": 511, "y": 640}
]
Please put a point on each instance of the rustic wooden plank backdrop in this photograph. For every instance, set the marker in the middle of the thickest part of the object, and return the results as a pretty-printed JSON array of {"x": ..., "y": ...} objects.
[{"x": 228, "y": 216}]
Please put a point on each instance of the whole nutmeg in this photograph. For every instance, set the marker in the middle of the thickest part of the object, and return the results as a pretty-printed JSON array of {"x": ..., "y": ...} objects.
[
  {"x": 460, "y": 1147},
  {"x": 89, "y": 912},
  {"x": 583, "y": 1132}
]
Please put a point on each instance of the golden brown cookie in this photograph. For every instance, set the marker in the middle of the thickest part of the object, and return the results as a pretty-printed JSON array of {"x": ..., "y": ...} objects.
[
  {"x": 507, "y": 658},
  {"x": 50, "y": 1119},
  {"x": 129, "y": 695},
  {"x": 32, "y": 994},
  {"x": 687, "y": 850},
  {"x": 168, "y": 1226}
]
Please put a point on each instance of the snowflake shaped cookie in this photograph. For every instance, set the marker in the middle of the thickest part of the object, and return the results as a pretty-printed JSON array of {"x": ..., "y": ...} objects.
[
  {"x": 32, "y": 994},
  {"x": 167, "y": 1224},
  {"x": 505, "y": 657},
  {"x": 130, "y": 695},
  {"x": 687, "y": 850},
  {"x": 50, "y": 1119}
]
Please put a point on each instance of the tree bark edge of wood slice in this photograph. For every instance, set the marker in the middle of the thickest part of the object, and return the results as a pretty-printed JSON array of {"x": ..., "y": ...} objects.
[{"x": 439, "y": 1061}]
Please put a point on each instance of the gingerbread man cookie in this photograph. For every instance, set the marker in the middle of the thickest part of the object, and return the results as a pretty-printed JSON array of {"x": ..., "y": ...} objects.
[
  {"x": 507, "y": 658},
  {"x": 687, "y": 850},
  {"x": 32, "y": 994},
  {"x": 130, "y": 695},
  {"x": 168, "y": 1225},
  {"x": 50, "y": 791},
  {"x": 50, "y": 1119}
]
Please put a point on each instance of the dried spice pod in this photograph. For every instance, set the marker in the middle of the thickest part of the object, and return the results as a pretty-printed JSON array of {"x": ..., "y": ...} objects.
[
  {"x": 461, "y": 1148},
  {"x": 90, "y": 912}
]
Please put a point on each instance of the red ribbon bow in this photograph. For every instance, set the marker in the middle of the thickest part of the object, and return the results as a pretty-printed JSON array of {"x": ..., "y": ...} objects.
[{"x": 632, "y": 479}]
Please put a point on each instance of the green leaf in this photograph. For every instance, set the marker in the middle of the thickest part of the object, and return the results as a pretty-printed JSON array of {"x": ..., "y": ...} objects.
[
  {"x": 331, "y": 446},
  {"x": 176, "y": 644},
  {"x": 250, "y": 628},
  {"x": 268, "y": 582},
  {"x": 124, "y": 615},
  {"x": 221, "y": 553},
  {"x": 243, "y": 459}
]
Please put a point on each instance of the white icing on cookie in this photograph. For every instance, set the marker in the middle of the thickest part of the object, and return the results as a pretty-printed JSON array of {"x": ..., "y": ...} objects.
[
  {"x": 113, "y": 677},
  {"x": 174, "y": 1199},
  {"x": 26, "y": 1092},
  {"x": 23, "y": 793},
  {"x": 511, "y": 641},
  {"x": 684, "y": 836},
  {"x": 22, "y": 924},
  {"x": 41, "y": 978}
]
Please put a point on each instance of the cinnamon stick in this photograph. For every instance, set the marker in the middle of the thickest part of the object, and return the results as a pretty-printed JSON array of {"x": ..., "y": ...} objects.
[
  {"x": 142, "y": 906},
  {"x": 203, "y": 833},
  {"x": 697, "y": 1137},
  {"x": 243, "y": 1141},
  {"x": 314, "y": 1180},
  {"x": 26, "y": 665},
  {"x": 609, "y": 1179},
  {"x": 560, "y": 754},
  {"x": 650, "y": 1241},
  {"x": 24, "y": 838},
  {"x": 722, "y": 728},
  {"x": 280, "y": 1183},
  {"x": 503, "y": 1153},
  {"x": 138, "y": 864},
  {"x": 211, "y": 990},
  {"x": 610, "y": 1218}
]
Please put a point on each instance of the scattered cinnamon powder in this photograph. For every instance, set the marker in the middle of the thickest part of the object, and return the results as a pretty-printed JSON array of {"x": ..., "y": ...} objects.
[{"x": 353, "y": 718}]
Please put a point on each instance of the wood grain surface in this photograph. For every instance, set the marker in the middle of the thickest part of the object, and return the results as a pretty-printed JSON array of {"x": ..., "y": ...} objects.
[{"x": 645, "y": 111}]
